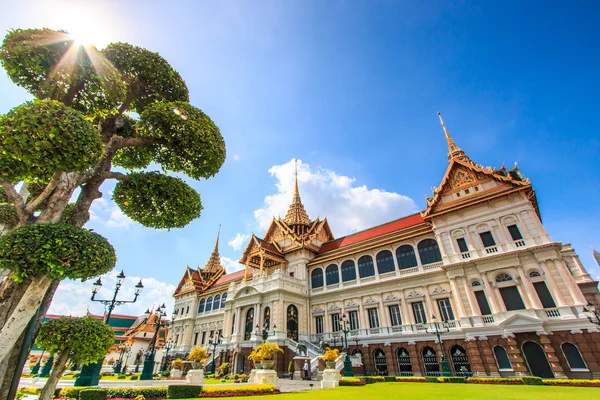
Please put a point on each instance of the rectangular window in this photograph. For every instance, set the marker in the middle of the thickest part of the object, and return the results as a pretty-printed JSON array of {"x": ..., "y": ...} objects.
[
  {"x": 373, "y": 318},
  {"x": 335, "y": 322},
  {"x": 512, "y": 298},
  {"x": 211, "y": 335},
  {"x": 446, "y": 310},
  {"x": 544, "y": 294},
  {"x": 484, "y": 306},
  {"x": 354, "y": 320},
  {"x": 319, "y": 325},
  {"x": 203, "y": 337},
  {"x": 462, "y": 245},
  {"x": 395, "y": 316},
  {"x": 419, "y": 312},
  {"x": 195, "y": 338},
  {"x": 487, "y": 239},
  {"x": 176, "y": 339},
  {"x": 515, "y": 234}
]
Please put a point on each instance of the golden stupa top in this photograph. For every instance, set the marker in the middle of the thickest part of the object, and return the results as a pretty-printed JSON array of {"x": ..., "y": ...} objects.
[
  {"x": 454, "y": 152},
  {"x": 214, "y": 262},
  {"x": 296, "y": 214}
]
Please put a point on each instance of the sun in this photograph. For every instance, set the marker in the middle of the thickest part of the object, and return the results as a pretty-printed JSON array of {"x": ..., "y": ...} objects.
[{"x": 87, "y": 36}]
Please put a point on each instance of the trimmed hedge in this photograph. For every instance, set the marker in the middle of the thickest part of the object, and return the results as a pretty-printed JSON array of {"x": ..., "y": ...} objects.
[
  {"x": 183, "y": 391},
  {"x": 502, "y": 381},
  {"x": 432, "y": 379},
  {"x": 573, "y": 382},
  {"x": 452, "y": 379},
  {"x": 230, "y": 391},
  {"x": 410, "y": 379},
  {"x": 389, "y": 379},
  {"x": 532, "y": 380},
  {"x": 127, "y": 392},
  {"x": 93, "y": 394},
  {"x": 351, "y": 382}
]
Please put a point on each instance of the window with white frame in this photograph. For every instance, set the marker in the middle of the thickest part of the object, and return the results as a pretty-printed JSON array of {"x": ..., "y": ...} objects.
[
  {"x": 395, "y": 317},
  {"x": 373, "y": 318},
  {"x": 353, "y": 316},
  {"x": 319, "y": 324},
  {"x": 419, "y": 312},
  {"x": 446, "y": 310},
  {"x": 335, "y": 322},
  {"x": 462, "y": 245}
]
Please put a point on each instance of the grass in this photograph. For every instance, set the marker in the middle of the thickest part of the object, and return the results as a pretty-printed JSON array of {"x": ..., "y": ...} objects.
[
  {"x": 214, "y": 381},
  {"x": 458, "y": 391}
]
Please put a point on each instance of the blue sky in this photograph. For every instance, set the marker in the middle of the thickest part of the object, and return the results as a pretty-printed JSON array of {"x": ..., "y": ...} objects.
[{"x": 351, "y": 88}]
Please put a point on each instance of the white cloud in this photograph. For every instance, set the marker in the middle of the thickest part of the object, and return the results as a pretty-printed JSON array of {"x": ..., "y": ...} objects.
[
  {"x": 109, "y": 214},
  {"x": 348, "y": 208},
  {"x": 231, "y": 265},
  {"x": 73, "y": 297},
  {"x": 238, "y": 241},
  {"x": 236, "y": 157}
]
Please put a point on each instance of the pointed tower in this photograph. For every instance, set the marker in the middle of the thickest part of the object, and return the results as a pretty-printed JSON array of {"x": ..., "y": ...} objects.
[
  {"x": 454, "y": 152},
  {"x": 214, "y": 262},
  {"x": 296, "y": 217},
  {"x": 596, "y": 256}
]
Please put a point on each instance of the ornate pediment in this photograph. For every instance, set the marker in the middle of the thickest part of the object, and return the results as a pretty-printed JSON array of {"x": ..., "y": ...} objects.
[
  {"x": 390, "y": 298},
  {"x": 351, "y": 304},
  {"x": 414, "y": 294},
  {"x": 370, "y": 300},
  {"x": 318, "y": 310},
  {"x": 438, "y": 290},
  {"x": 334, "y": 307}
]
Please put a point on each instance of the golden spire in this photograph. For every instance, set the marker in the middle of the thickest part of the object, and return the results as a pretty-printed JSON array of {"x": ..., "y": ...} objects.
[
  {"x": 453, "y": 150},
  {"x": 214, "y": 262},
  {"x": 296, "y": 214}
]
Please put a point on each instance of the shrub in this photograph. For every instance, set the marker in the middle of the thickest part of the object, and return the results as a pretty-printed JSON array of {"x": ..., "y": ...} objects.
[
  {"x": 432, "y": 379},
  {"x": 351, "y": 382},
  {"x": 452, "y": 379},
  {"x": 572, "y": 382},
  {"x": 532, "y": 380},
  {"x": 140, "y": 397},
  {"x": 107, "y": 373},
  {"x": 410, "y": 379},
  {"x": 130, "y": 392},
  {"x": 72, "y": 392},
  {"x": 121, "y": 376},
  {"x": 93, "y": 394},
  {"x": 166, "y": 373},
  {"x": 134, "y": 377},
  {"x": 183, "y": 391},
  {"x": 377, "y": 379},
  {"x": 389, "y": 379},
  {"x": 227, "y": 391},
  {"x": 505, "y": 381}
]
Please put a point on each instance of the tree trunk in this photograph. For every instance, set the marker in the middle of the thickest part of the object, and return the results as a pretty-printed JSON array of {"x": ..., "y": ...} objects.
[
  {"x": 59, "y": 367},
  {"x": 20, "y": 317},
  {"x": 12, "y": 367}
]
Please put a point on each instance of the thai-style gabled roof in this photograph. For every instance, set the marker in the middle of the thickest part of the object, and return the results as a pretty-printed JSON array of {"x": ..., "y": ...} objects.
[{"x": 463, "y": 173}]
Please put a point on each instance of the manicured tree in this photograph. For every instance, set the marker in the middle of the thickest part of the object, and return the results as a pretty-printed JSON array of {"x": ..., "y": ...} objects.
[
  {"x": 121, "y": 106},
  {"x": 81, "y": 340}
]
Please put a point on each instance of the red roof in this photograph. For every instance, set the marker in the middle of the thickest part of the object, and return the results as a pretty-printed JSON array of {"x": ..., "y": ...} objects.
[
  {"x": 389, "y": 227},
  {"x": 227, "y": 278}
]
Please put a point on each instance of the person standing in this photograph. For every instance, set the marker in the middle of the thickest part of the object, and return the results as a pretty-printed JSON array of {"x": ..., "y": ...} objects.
[{"x": 305, "y": 369}]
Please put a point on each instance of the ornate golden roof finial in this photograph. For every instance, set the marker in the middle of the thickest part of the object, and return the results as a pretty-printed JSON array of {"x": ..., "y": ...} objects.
[
  {"x": 217, "y": 242},
  {"x": 214, "y": 262},
  {"x": 296, "y": 191},
  {"x": 453, "y": 150},
  {"x": 296, "y": 214}
]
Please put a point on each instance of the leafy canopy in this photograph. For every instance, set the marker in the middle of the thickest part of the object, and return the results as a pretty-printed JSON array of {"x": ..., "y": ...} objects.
[
  {"x": 85, "y": 339},
  {"x": 57, "y": 250}
]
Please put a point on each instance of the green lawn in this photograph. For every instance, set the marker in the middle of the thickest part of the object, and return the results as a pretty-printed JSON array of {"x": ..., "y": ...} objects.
[
  {"x": 211, "y": 381},
  {"x": 442, "y": 391}
]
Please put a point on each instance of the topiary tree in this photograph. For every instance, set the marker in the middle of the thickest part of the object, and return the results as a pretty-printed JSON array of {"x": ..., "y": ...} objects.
[
  {"x": 80, "y": 340},
  {"x": 122, "y": 106}
]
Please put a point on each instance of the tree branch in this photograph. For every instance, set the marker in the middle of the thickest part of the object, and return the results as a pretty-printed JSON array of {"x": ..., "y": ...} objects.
[
  {"x": 16, "y": 200},
  {"x": 33, "y": 205},
  {"x": 116, "y": 175}
]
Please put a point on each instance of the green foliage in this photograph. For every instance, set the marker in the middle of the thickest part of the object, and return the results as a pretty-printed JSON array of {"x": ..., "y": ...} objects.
[
  {"x": 291, "y": 367},
  {"x": 72, "y": 392},
  {"x": 183, "y": 391},
  {"x": 191, "y": 142},
  {"x": 42, "y": 137},
  {"x": 132, "y": 392},
  {"x": 133, "y": 157},
  {"x": 156, "y": 200},
  {"x": 389, "y": 379},
  {"x": 134, "y": 377},
  {"x": 3, "y": 197},
  {"x": 121, "y": 376},
  {"x": 57, "y": 250},
  {"x": 532, "y": 380},
  {"x": 451, "y": 379},
  {"x": 86, "y": 339},
  {"x": 151, "y": 78},
  {"x": 69, "y": 211},
  {"x": 93, "y": 394},
  {"x": 49, "y": 63},
  {"x": 8, "y": 215},
  {"x": 432, "y": 379}
]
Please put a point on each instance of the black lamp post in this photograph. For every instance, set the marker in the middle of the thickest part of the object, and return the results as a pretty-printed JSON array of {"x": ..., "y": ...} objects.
[
  {"x": 445, "y": 366},
  {"x": 347, "y": 361},
  {"x": 214, "y": 342},
  {"x": 149, "y": 361},
  {"x": 265, "y": 331},
  {"x": 128, "y": 354},
  {"x": 90, "y": 374},
  {"x": 123, "y": 347},
  {"x": 168, "y": 346},
  {"x": 592, "y": 314}
]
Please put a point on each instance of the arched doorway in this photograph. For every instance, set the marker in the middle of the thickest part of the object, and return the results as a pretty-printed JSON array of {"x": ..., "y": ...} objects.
[
  {"x": 460, "y": 361},
  {"x": 536, "y": 360},
  {"x": 359, "y": 353},
  {"x": 292, "y": 322},
  {"x": 404, "y": 364},
  {"x": 249, "y": 326},
  {"x": 430, "y": 360},
  {"x": 380, "y": 362}
]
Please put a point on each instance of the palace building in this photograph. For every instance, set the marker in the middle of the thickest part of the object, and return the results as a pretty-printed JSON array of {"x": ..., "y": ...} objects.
[{"x": 476, "y": 264}]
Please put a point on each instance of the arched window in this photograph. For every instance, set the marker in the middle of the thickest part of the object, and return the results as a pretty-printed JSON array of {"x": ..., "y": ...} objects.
[
  {"x": 404, "y": 364},
  {"x": 201, "y": 306},
  {"x": 460, "y": 361},
  {"x": 432, "y": 367},
  {"x": 267, "y": 319},
  {"x": 534, "y": 274},
  {"x": 209, "y": 303},
  {"x": 249, "y": 325},
  {"x": 316, "y": 278},
  {"x": 366, "y": 267},
  {"x": 380, "y": 362},
  {"x": 429, "y": 251},
  {"x": 385, "y": 262},
  {"x": 476, "y": 283},
  {"x": 573, "y": 356},
  {"x": 405, "y": 255},
  {"x": 223, "y": 298},
  {"x": 292, "y": 322},
  {"x": 217, "y": 302},
  {"x": 503, "y": 277},
  {"x": 348, "y": 271},
  {"x": 332, "y": 275},
  {"x": 502, "y": 359}
]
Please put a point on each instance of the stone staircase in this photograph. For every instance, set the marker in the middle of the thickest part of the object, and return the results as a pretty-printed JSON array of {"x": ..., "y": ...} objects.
[{"x": 313, "y": 352}]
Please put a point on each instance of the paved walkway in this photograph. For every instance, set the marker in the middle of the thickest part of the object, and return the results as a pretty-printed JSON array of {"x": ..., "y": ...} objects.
[{"x": 285, "y": 385}]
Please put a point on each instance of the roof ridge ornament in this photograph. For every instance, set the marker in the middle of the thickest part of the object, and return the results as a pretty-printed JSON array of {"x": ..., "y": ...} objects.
[
  {"x": 296, "y": 215},
  {"x": 454, "y": 152}
]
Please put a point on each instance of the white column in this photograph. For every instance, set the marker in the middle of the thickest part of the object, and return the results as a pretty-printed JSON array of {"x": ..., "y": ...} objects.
[
  {"x": 470, "y": 297},
  {"x": 578, "y": 297},
  {"x": 430, "y": 307},
  {"x": 457, "y": 298},
  {"x": 491, "y": 294},
  {"x": 530, "y": 295},
  {"x": 406, "y": 317},
  {"x": 551, "y": 282}
]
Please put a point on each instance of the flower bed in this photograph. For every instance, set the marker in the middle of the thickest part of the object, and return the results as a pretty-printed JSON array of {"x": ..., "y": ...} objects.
[
  {"x": 410, "y": 379},
  {"x": 573, "y": 382},
  {"x": 231, "y": 391},
  {"x": 351, "y": 382},
  {"x": 501, "y": 381}
]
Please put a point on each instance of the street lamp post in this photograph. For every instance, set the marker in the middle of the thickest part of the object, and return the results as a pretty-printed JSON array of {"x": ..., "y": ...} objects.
[
  {"x": 123, "y": 347},
  {"x": 168, "y": 346},
  {"x": 445, "y": 366},
  {"x": 149, "y": 361},
  {"x": 214, "y": 342},
  {"x": 90, "y": 374},
  {"x": 36, "y": 367},
  {"x": 347, "y": 361},
  {"x": 592, "y": 314},
  {"x": 265, "y": 331},
  {"x": 128, "y": 354}
]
